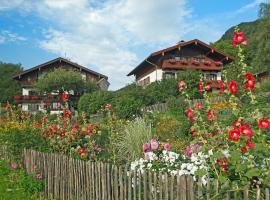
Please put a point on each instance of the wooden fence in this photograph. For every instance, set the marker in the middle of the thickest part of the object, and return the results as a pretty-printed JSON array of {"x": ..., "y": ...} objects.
[
  {"x": 163, "y": 107},
  {"x": 67, "y": 178}
]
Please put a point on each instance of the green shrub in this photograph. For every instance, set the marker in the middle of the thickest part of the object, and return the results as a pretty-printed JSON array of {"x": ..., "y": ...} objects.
[
  {"x": 17, "y": 137},
  {"x": 92, "y": 102},
  {"x": 127, "y": 143}
]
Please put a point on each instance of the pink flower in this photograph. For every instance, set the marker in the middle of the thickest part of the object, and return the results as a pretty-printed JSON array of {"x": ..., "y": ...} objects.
[
  {"x": 14, "y": 165},
  {"x": 39, "y": 176},
  {"x": 167, "y": 147},
  {"x": 146, "y": 147},
  {"x": 154, "y": 144}
]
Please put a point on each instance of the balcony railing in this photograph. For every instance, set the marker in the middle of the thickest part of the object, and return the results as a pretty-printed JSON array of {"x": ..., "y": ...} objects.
[
  {"x": 39, "y": 98},
  {"x": 202, "y": 64}
]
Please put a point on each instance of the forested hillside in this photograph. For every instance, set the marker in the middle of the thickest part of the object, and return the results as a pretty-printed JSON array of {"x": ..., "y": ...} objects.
[{"x": 258, "y": 36}]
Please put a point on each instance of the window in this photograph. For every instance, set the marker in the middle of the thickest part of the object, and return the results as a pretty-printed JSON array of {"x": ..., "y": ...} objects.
[
  {"x": 144, "y": 82},
  {"x": 210, "y": 76},
  {"x": 167, "y": 75}
]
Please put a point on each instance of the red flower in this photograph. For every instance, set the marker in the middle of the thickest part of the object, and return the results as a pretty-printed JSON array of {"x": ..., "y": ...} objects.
[
  {"x": 222, "y": 87},
  {"x": 233, "y": 87},
  {"x": 208, "y": 88},
  {"x": 250, "y": 85},
  {"x": 249, "y": 76},
  {"x": 67, "y": 113},
  {"x": 234, "y": 134},
  {"x": 239, "y": 38},
  {"x": 246, "y": 131},
  {"x": 181, "y": 85},
  {"x": 189, "y": 113},
  {"x": 200, "y": 87},
  {"x": 81, "y": 150},
  {"x": 64, "y": 96},
  {"x": 199, "y": 105},
  {"x": 210, "y": 114},
  {"x": 264, "y": 123},
  {"x": 244, "y": 149},
  {"x": 250, "y": 144},
  {"x": 194, "y": 132}
]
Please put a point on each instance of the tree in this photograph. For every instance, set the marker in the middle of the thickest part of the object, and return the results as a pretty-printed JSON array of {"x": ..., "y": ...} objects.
[
  {"x": 264, "y": 11},
  {"x": 64, "y": 80},
  {"x": 226, "y": 47},
  {"x": 261, "y": 61},
  {"x": 8, "y": 86}
]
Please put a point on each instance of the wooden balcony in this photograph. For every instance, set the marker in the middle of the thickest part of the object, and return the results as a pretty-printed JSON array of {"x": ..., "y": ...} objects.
[
  {"x": 42, "y": 98},
  {"x": 192, "y": 64}
]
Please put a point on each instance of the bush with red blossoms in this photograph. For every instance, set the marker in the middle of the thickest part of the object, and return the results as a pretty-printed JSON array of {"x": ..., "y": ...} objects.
[{"x": 244, "y": 135}]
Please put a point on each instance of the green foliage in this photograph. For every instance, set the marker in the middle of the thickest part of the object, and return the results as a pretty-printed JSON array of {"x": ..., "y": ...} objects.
[
  {"x": 8, "y": 86},
  {"x": 16, "y": 184},
  {"x": 226, "y": 47},
  {"x": 91, "y": 103},
  {"x": 264, "y": 11},
  {"x": 64, "y": 80},
  {"x": 257, "y": 34},
  {"x": 128, "y": 142},
  {"x": 168, "y": 129},
  {"x": 17, "y": 137},
  {"x": 191, "y": 78}
]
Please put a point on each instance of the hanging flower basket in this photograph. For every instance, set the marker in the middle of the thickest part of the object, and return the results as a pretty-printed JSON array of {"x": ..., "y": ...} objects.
[
  {"x": 195, "y": 62},
  {"x": 35, "y": 97},
  {"x": 207, "y": 62},
  {"x": 172, "y": 61},
  {"x": 218, "y": 63},
  {"x": 26, "y": 97},
  {"x": 184, "y": 62},
  {"x": 17, "y": 97}
]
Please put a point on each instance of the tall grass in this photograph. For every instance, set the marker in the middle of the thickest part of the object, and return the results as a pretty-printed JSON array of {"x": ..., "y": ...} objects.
[{"x": 130, "y": 140}]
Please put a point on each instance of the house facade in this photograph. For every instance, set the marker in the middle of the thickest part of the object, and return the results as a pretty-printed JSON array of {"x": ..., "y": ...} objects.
[
  {"x": 32, "y": 101},
  {"x": 193, "y": 54}
]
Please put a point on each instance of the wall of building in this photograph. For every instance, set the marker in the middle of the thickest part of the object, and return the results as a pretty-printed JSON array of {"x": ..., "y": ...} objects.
[
  {"x": 155, "y": 75},
  {"x": 25, "y": 91}
]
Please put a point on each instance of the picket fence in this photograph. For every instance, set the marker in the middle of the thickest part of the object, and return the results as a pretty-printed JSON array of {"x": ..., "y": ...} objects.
[{"x": 71, "y": 179}]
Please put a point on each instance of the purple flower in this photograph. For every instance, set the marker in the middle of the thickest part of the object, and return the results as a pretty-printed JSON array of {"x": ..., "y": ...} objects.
[{"x": 193, "y": 148}]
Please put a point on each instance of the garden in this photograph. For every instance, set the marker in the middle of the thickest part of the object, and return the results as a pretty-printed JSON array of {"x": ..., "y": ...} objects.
[{"x": 226, "y": 140}]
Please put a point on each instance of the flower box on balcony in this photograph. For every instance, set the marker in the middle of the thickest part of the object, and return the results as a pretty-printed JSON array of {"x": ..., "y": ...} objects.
[
  {"x": 172, "y": 61},
  {"x": 35, "y": 97},
  {"x": 17, "y": 97},
  {"x": 195, "y": 62},
  {"x": 218, "y": 63},
  {"x": 207, "y": 62},
  {"x": 184, "y": 62},
  {"x": 26, "y": 97}
]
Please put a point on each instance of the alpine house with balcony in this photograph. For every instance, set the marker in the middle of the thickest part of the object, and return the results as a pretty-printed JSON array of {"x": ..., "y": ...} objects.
[
  {"x": 193, "y": 54},
  {"x": 31, "y": 101}
]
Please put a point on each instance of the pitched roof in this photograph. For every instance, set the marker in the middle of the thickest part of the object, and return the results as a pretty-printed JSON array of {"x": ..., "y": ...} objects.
[
  {"x": 60, "y": 59},
  {"x": 178, "y": 46}
]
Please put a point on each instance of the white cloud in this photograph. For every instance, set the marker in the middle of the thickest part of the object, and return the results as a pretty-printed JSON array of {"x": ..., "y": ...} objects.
[
  {"x": 250, "y": 6},
  {"x": 102, "y": 35},
  {"x": 8, "y": 36}
]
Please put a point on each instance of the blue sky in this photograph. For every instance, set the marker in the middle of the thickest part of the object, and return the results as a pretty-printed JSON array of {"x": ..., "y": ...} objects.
[{"x": 111, "y": 36}]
